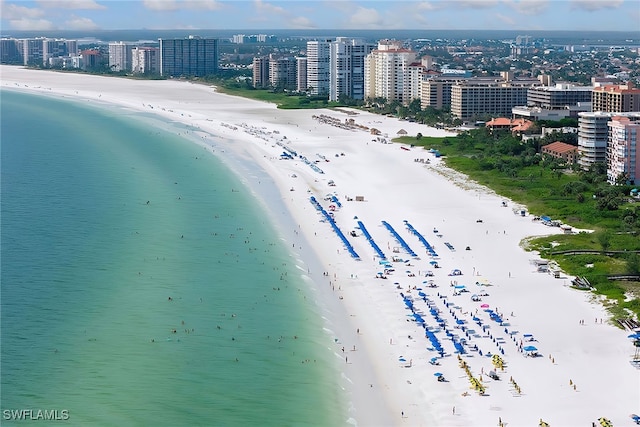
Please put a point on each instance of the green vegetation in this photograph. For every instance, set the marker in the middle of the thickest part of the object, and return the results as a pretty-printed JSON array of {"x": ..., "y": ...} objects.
[
  {"x": 284, "y": 100},
  {"x": 237, "y": 85},
  {"x": 550, "y": 187}
]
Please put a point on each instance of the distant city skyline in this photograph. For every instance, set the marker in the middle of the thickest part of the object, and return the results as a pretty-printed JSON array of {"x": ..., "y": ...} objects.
[{"x": 248, "y": 15}]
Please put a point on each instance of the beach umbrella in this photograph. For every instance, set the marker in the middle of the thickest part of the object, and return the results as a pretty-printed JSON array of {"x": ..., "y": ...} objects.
[
  {"x": 484, "y": 306},
  {"x": 437, "y": 374},
  {"x": 530, "y": 348}
]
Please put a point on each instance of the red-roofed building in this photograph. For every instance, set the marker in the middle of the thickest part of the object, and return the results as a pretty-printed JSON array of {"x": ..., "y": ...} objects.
[
  {"x": 91, "y": 59},
  {"x": 561, "y": 150},
  {"x": 518, "y": 126}
]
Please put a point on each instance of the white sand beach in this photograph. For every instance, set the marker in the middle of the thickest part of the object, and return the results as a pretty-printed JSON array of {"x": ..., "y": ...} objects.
[{"x": 584, "y": 368}]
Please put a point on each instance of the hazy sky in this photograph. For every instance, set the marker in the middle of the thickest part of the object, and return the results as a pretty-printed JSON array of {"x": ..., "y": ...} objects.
[{"x": 318, "y": 14}]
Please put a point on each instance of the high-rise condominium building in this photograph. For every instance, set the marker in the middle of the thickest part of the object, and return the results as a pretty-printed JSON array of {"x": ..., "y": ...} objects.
[
  {"x": 145, "y": 60},
  {"x": 387, "y": 72},
  {"x": 301, "y": 77},
  {"x": 72, "y": 47},
  {"x": 616, "y": 98},
  {"x": 593, "y": 136},
  {"x": 261, "y": 71},
  {"x": 346, "y": 68},
  {"x": 623, "y": 149},
  {"x": 190, "y": 57},
  {"x": 9, "y": 51},
  {"x": 120, "y": 56},
  {"x": 282, "y": 72},
  {"x": 318, "y": 66},
  {"x": 32, "y": 51},
  {"x": 53, "y": 48}
]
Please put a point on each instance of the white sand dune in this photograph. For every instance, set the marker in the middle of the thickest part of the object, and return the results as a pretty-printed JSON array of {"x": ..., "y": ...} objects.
[{"x": 368, "y": 313}]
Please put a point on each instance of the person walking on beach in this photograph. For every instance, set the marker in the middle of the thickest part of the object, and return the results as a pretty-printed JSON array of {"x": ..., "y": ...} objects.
[{"x": 454, "y": 410}]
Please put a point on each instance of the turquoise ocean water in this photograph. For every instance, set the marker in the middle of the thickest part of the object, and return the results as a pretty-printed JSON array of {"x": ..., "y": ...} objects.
[{"x": 141, "y": 283}]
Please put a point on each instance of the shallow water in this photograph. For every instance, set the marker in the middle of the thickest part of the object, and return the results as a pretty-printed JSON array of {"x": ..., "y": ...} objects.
[{"x": 142, "y": 285}]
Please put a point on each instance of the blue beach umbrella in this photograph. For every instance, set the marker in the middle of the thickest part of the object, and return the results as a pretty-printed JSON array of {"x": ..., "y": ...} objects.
[
  {"x": 530, "y": 348},
  {"x": 437, "y": 374}
]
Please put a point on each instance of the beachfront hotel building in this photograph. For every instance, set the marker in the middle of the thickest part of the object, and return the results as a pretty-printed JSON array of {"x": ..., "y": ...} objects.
[
  {"x": 346, "y": 67},
  {"x": 318, "y": 66},
  {"x": 623, "y": 151},
  {"x": 616, "y": 98},
  {"x": 555, "y": 102},
  {"x": 120, "y": 56},
  {"x": 387, "y": 72},
  {"x": 145, "y": 60},
  {"x": 479, "y": 97},
  {"x": 558, "y": 96},
  {"x": 189, "y": 57}
]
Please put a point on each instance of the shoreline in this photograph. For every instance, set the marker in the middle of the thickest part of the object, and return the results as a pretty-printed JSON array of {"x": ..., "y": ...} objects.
[{"x": 369, "y": 313}]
